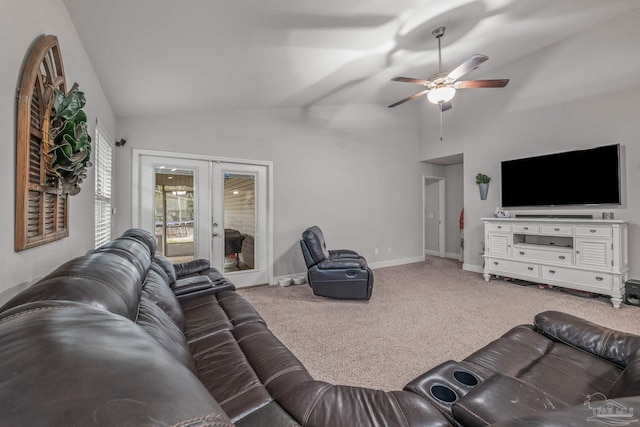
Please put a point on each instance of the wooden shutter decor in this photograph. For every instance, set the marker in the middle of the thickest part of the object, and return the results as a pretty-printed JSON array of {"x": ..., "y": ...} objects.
[{"x": 42, "y": 211}]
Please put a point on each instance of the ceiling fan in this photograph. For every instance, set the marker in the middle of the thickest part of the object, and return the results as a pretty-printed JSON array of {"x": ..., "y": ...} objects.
[{"x": 441, "y": 87}]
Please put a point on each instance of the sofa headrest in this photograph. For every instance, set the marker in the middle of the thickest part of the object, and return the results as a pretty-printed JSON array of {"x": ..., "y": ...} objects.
[
  {"x": 101, "y": 279},
  {"x": 63, "y": 361},
  {"x": 314, "y": 239},
  {"x": 144, "y": 236},
  {"x": 131, "y": 249}
]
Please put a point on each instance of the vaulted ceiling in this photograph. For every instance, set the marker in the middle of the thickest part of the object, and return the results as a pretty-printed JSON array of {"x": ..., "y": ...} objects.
[{"x": 157, "y": 57}]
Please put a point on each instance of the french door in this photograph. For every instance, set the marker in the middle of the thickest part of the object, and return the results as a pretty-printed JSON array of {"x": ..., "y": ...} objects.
[{"x": 206, "y": 209}]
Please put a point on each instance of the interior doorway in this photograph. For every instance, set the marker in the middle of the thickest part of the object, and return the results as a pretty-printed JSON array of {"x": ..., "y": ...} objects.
[
  {"x": 206, "y": 208},
  {"x": 434, "y": 220}
]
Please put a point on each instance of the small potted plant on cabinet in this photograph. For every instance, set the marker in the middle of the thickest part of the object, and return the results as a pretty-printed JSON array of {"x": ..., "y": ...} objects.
[{"x": 483, "y": 183}]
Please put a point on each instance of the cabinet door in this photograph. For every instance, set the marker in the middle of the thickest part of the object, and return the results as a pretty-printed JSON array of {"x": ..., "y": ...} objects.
[
  {"x": 499, "y": 244},
  {"x": 594, "y": 253}
]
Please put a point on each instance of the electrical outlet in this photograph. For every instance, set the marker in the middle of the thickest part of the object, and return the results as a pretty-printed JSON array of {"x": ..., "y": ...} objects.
[
  {"x": 389, "y": 250},
  {"x": 376, "y": 251}
]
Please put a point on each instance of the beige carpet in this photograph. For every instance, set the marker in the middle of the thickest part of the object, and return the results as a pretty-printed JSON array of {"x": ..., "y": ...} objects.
[{"x": 419, "y": 316}]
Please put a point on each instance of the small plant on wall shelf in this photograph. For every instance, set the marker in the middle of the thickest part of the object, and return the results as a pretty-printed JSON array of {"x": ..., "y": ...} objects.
[
  {"x": 69, "y": 150},
  {"x": 482, "y": 179}
]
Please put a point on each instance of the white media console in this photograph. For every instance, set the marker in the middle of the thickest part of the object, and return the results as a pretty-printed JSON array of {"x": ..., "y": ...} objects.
[{"x": 585, "y": 254}]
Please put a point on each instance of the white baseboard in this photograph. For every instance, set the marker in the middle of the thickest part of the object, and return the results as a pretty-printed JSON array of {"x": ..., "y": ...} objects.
[
  {"x": 431, "y": 252},
  {"x": 394, "y": 262},
  {"x": 473, "y": 268},
  {"x": 452, "y": 255}
]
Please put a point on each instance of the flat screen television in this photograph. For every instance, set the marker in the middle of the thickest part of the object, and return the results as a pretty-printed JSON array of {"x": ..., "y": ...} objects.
[{"x": 581, "y": 177}]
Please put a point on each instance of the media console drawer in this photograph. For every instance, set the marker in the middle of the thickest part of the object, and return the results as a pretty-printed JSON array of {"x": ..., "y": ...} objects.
[
  {"x": 593, "y": 231},
  {"x": 563, "y": 257},
  {"x": 557, "y": 229},
  {"x": 507, "y": 267},
  {"x": 526, "y": 228},
  {"x": 601, "y": 281},
  {"x": 499, "y": 227}
]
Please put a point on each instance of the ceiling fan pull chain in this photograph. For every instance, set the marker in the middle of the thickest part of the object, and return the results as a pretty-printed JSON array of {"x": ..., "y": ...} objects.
[{"x": 440, "y": 121}]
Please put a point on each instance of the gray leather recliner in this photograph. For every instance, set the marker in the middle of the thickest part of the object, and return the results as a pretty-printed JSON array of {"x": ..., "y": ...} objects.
[{"x": 340, "y": 274}]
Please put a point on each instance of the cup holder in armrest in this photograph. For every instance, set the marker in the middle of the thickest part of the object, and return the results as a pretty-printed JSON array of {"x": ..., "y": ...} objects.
[
  {"x": 444, "y": 385},
  {"x": 443, "y": 393},
  {"x": 465, "y": 378}
]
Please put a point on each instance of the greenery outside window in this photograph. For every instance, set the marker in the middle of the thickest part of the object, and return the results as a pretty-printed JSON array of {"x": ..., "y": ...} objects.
[{"x": 103, "y": 163}]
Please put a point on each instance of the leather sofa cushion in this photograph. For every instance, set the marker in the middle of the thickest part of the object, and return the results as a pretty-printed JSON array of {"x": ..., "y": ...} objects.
[
  {"x": 155, "y": 289},
  {"x": 315, "y": 403},
  {"x": 130, "y": 249},
  {"x": 501, "y": 397},
  {"x": 314, "y": 239},
  {"x": 628, "y": 383},
  {"x": 160, "y": 326},
  {"x": 571, "y": 375},
  {"x": 512, "y": 353},
  {"x": 275, "y": 365},
  {"x": 614, "y": 346},
  {"x": 73, "y": 364},
  {"x": 185, "y": 269},
  {"x": 104, "y": 280},
  {"x": 203, "y": 317},
  {"x": 167, "y": 266},
  {"x": 238, "y": 310},
  {"x": 224, "y": 370},
  {"x": 144, "y": 236}
]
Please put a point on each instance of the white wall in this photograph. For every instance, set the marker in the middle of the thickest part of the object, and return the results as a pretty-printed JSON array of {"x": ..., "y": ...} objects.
[
  {"x": 20, "y": 23},
  {"x": 353, "y": 171},
  {"x": 582, "y": 92}
]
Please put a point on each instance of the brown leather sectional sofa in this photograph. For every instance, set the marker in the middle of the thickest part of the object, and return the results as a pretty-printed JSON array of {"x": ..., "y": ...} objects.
[{"x": 122, "y": 337}]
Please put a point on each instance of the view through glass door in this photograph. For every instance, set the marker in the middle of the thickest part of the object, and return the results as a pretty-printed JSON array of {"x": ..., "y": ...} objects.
[
  {"x": 175, "y": 204},
  {"x": 174, "y": 213},
  {"x": 207, "y": 209}
]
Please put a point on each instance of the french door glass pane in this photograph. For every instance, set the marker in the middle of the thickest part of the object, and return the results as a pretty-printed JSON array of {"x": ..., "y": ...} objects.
[
  {"x": 239, "y": 222},
  {"x": 174, "y": 216}
]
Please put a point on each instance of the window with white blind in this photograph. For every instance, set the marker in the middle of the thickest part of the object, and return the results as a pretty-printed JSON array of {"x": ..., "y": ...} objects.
[{"x": 103, "y": 156}]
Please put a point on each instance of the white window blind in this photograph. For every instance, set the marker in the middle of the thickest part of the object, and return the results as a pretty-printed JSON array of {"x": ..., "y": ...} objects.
[{"x": 103, "y": 157}]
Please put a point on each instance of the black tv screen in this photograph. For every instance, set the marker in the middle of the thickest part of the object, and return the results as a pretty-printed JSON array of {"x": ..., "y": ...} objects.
[{"x": 582, "y": 177}]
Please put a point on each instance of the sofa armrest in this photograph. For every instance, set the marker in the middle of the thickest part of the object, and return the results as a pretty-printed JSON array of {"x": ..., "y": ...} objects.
[
  {"x": 614, "y": 346},
  {"x": 191, "y": 284},
  {"x": 342, "y": 263},
  {"x": 191, "y": 267},
  {"x": 342, "y": 253}
]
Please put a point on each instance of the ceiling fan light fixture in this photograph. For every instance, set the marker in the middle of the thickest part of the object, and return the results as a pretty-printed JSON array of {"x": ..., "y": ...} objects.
[{"x": 441, "y": 94}]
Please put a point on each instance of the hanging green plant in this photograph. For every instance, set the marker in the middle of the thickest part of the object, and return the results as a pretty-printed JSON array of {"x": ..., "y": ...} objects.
[{"x": 69, "y": 153}]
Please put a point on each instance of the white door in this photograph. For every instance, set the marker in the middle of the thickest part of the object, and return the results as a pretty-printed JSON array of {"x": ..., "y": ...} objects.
[
  {"x": 206, "y": 209},
  {"x": 239, "y": 223}
]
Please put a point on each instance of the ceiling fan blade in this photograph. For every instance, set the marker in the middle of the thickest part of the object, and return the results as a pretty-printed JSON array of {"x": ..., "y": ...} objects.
[
  {"x": 410, "y": 80},
  {"x": 467, "y": 66},
  {"x": 409, "y": 98},
  {"x": 445, "y": 106},
  {"x": 471, "y": 84}
]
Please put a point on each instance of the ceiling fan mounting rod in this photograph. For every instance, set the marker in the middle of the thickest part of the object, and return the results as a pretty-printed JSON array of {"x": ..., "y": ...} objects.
[{"x": 438, "y": 33}]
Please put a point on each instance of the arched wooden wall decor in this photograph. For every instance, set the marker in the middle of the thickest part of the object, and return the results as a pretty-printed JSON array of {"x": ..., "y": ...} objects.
[{"x": 41, "y": 209}]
